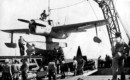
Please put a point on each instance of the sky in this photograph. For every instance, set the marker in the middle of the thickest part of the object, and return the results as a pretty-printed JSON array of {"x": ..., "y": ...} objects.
[{"x": 11, "y": 10}]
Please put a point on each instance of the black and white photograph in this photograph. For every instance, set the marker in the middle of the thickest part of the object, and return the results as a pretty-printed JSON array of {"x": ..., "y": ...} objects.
[{"x": 64, "y": 40}]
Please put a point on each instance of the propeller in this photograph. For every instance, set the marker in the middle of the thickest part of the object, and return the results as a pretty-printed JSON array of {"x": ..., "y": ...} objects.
[
  {"x": 27, "y": 21},
  {"x": 23, "y": 20}
]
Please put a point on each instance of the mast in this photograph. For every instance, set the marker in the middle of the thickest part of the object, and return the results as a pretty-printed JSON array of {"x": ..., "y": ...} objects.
[{"x": 49, "y": 9}]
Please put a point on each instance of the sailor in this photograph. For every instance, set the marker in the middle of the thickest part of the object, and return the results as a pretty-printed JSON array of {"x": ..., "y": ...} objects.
[
  {"x": 15, "y": 70},
  {"x": 24, "y": 69},
  {"x": 32, "y": 26},
  {"x": 21, "y": 45},
  {"x": 108, "y": 61},
  {"x": 75, "y": 64},
  {"x": 60, "y": 53},
  {"x": 43, "y": 15},
  {"x": 99, "y": 62},
  {"x": 58, "y": 66},
  {"x": 6, "y": 71},
  {"x": 62, "y": 68},
  {"x": 30, "y": 49},
  {"x": 52, "y": 69},
  {"x": 80, "y": 66},
  {"x": 118, "y": 53}
]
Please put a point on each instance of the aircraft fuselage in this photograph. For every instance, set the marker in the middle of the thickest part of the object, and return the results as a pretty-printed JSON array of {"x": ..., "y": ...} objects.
[{"x": 47, "y": 30}]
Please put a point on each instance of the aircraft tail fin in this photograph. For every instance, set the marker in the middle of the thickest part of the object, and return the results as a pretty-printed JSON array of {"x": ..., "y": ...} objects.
[{"x": 79, "y": 53}]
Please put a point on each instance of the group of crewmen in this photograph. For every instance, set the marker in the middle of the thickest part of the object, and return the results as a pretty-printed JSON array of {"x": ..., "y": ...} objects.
[
  {"x": 30, "y": 47},
  {"x": 104, "y": 63},
  {"x": 78, "y": 65},
  {"x": 54, "y": 66},
  {"x": 12, "y": 70}
]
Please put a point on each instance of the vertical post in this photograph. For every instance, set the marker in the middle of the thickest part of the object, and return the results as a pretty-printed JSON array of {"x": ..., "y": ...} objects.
[{"x": 11, "y": 37}]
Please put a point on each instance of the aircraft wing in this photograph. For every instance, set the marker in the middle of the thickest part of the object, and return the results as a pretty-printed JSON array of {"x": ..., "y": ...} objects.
[
  {"x": 78, "y": 27},
  {"x": 16, "y": 31}
]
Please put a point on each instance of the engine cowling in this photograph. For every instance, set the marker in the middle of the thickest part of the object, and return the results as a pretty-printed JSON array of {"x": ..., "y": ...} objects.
[{"x": 40, "y": 29}]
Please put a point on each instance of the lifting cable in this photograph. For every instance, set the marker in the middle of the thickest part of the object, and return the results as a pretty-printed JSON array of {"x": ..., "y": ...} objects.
[
  {"x": 69, "y": 5},
  {"x": 93, "y": 9}
]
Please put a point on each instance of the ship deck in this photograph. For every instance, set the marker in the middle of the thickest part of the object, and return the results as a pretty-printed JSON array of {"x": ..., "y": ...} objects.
[{"x": 87, "y": 76}]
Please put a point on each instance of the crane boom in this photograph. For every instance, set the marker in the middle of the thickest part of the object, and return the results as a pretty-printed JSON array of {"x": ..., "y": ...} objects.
[{"x": 109, "y": 12}]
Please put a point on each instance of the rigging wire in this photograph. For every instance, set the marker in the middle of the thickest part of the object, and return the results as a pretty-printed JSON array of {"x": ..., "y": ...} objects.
[
  {"x": 123, "y": 25},
  {"x": 49, "y": 10},
  {"x": 69, "y": 5},
  {"x": 126, "y": 31},
  {"x": 93, "y": 10},
  {"x": 115, "y": 2},
  {"x": 66, "y": 17}
]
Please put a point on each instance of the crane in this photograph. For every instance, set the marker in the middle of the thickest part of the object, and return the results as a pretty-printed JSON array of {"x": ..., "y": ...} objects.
[{"x": 109, "y": 12}]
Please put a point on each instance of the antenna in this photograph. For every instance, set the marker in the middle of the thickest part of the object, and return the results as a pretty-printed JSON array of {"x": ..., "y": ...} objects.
[
  {"x": 49, "y": 8},
  {"x": 65, "y": 20}
]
